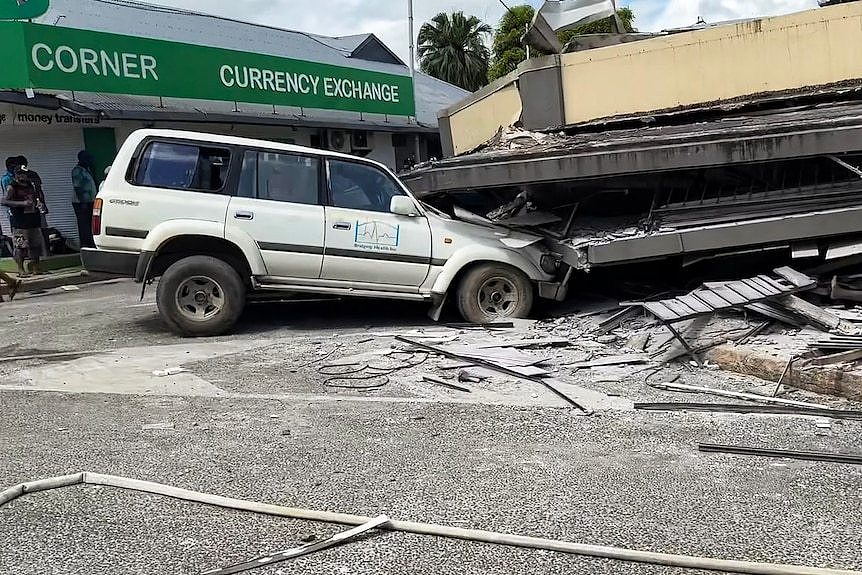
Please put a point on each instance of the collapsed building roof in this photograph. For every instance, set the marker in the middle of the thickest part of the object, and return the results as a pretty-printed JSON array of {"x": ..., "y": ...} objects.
[{"x": 528, "y": 158}]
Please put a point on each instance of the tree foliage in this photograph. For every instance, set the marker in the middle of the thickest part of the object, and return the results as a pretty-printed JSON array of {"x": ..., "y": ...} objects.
[
  {"x": 510, "y": 50},
  {"x": 452, "y": 48},
  {"x": 605, "y": 26}
]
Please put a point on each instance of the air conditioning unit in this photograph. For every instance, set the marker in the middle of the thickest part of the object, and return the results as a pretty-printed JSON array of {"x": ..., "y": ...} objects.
[
  {"x": 337, "y": 141},
  {"x": 359, "y": 141}
]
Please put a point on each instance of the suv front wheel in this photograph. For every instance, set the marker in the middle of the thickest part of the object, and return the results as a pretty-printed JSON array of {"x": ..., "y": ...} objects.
[
  {"x": 200, "y": 296},
  {"x": 492, "y": 292}
]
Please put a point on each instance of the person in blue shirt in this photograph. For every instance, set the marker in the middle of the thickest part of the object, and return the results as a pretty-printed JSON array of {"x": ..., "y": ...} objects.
[
  {"x": 85, "y": 195},
  {"x": 6, "y": 179}
]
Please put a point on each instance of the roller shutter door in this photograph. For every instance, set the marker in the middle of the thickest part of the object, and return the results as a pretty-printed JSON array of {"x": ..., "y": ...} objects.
[{"x": 53, "y": 153}]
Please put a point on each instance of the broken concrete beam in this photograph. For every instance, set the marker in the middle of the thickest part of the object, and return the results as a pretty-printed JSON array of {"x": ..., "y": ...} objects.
[{"x": 827, "y": 380}]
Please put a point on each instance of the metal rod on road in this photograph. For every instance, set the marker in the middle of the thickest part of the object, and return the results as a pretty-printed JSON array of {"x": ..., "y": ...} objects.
[
  {"x": 498, "y": 368},
  {"x": 782, "y": 453},
  {"x": 750, "y": 408}
]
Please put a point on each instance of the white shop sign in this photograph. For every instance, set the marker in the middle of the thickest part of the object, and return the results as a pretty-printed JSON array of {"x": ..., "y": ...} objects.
[{"x": 21, "y": 116}]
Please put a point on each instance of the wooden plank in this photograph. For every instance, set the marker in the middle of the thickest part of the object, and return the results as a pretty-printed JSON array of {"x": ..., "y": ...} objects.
[
  {"x": 696, "y": 304},
  {"x": 800, "y": 280},
  {"x": 660, "y": 311},
  {"x": 730, "y": 295},
  {"x": 737, "y": 395},
  {"x": 844, "y": 357},
  {"x": 766, "y": 291},
  {"x": 616, "y": 320},
  {"x": 773, "y": 313},
  {"x": 611, "y": 360},
  {"x": 782, "y": 286},
  {"x": 679, "y": 308},
  {"x": 767, "y": 283},
  {"x": 745, "y": 291},
  {"x": 712, "y": 299},
  {"x": 814, "y": 314},
  {"x": 527, "y": 343}
]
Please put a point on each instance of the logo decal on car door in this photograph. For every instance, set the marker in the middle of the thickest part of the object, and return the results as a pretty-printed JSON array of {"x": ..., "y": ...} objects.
[{"x": 379, "y": 236}]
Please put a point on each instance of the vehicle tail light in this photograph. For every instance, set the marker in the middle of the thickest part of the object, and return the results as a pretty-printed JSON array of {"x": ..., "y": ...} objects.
[{"x": 97, "y": 217}]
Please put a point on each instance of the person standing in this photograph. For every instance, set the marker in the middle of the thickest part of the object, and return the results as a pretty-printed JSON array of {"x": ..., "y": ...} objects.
[
  {"x": 85, "y": 194},
  {"x": 41, "y": 204},
  {"x": 22, "y": 199},
  {"x": 6, "y": 179}
]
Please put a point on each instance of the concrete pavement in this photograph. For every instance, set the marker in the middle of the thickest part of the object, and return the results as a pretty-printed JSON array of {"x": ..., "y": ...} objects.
[{"x": 248, "y": 421}]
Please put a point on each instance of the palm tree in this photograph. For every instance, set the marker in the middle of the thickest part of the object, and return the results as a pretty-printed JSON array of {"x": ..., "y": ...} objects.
[{"x": 453, "y": 49}]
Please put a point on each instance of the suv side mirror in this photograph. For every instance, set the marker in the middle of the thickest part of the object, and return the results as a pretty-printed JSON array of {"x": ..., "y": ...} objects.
[{"x": 403, "y": 206}]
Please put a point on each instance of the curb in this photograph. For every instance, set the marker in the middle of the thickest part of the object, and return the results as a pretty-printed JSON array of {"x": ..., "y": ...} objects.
[
  {"x": 826, "y": 380},
  {"x": 53, "y": 282}
]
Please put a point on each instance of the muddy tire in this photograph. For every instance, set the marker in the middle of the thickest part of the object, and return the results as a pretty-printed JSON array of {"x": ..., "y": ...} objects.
[
  {"x": 200, "y": 296},
  {"x": 495, "y": 292}
]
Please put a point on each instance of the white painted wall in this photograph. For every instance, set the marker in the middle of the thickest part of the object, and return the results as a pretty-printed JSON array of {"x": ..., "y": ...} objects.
[{"x": 382, "y": 149}]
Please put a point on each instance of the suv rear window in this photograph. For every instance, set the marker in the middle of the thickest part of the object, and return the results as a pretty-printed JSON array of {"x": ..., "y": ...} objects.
[{"x": 183, "y": 167}]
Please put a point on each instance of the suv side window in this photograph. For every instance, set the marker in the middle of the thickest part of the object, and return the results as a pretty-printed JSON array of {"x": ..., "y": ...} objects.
[
  {"x": 280, "y": 177},
  {"x": 183, "y": 167},
  {"x": 361, "y": 187}
]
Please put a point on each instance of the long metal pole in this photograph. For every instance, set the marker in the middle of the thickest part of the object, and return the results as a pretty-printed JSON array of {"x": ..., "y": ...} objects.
[
  {"x": 417, "y": 150},
  {"x": 649, "y": 557},
  {"x": 412, "y": 43}
]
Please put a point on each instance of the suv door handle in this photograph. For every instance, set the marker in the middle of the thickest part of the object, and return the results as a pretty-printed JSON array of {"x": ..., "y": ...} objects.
[
  {"x": 342, "y": 226},
  {"x": 244, "y": 215}
]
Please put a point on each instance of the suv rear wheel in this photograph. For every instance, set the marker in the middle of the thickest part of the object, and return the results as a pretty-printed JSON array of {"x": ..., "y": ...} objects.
[
  {"x": 200, "y": 296},
  {"x": 491, "y": 292}
]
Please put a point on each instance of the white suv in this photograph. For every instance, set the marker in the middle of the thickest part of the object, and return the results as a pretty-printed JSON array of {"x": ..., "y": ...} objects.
[{"x": 221, "y": 219}]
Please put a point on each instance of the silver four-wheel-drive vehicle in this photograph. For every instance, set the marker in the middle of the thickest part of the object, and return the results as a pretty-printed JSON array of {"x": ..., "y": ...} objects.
[{"x": 222, "y": 219}]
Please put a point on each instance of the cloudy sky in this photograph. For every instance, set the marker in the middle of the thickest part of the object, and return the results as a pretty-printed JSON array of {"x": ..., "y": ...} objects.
[{"x": 388, "y": 18}]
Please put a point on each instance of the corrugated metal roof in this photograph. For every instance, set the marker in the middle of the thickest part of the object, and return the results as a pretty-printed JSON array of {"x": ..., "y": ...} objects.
[
  {"x": 164, "y": 23},
  {"x": 144, "y": 20},
  {"x": 345, "y": 44}
]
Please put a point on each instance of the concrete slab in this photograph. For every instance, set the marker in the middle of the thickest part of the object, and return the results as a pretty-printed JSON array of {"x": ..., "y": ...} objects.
[{"x": 129, "y": 371}]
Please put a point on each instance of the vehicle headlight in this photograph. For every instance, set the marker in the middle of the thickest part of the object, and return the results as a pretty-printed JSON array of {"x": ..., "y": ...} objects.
[{"x": 550, "y": 263}]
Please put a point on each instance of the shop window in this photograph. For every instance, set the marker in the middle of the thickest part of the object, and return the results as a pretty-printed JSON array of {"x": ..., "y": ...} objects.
[
  {"x": 361, "y": 187},
  {"x": 280, "y": 177},
  {"x": 183, "y": 167}
]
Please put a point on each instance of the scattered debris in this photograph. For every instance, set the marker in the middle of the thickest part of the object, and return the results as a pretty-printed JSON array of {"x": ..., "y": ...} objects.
[
  {"x": 782, "y": 453},
  {"x": 499, "y": 368},
  {"x": 717, "y": 296}
]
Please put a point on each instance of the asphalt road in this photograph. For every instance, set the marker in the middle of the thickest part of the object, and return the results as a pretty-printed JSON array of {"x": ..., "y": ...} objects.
[{"x": 621, "y": 478}]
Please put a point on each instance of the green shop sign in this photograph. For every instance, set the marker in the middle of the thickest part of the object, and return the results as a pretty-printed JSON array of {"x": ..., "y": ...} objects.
[
  {"x": 56, "y": 58},
  {"x": 22, "y": 9}
]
